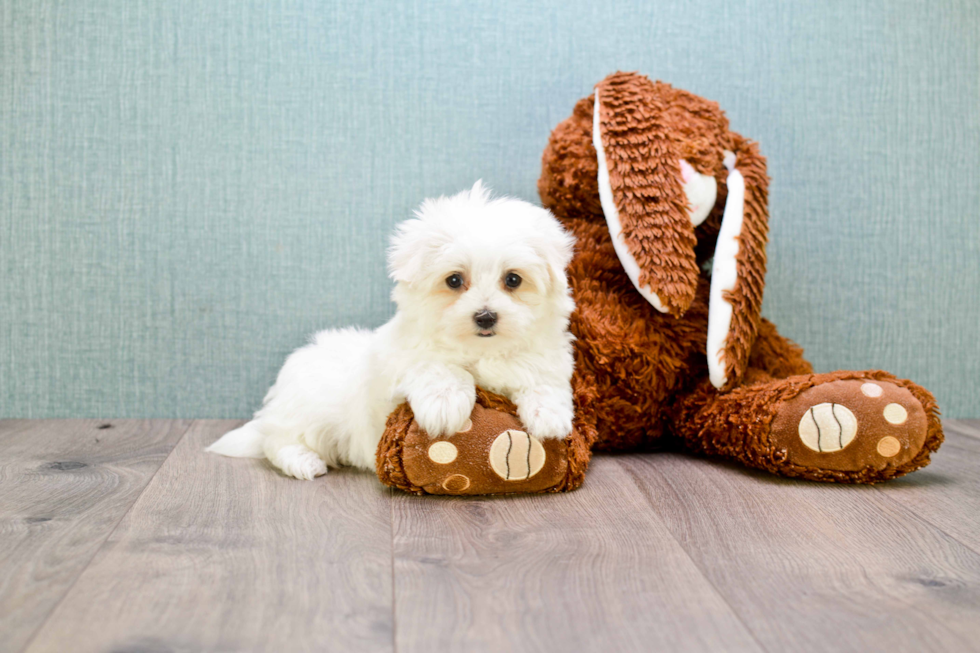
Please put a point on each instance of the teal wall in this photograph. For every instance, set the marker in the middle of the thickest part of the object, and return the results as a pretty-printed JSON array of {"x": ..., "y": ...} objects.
[{"x": 188, "y": 188}]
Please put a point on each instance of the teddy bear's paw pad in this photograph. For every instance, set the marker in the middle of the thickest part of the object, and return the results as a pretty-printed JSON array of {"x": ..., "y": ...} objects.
[
  {"x": 516, "y": 456},
  {"x": 828, "y": 427},
  {"x": 850, "y": 425},
  {"x": 493, "y": 454}
]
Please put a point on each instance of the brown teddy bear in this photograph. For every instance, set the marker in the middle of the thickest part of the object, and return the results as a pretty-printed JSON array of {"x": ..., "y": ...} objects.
[{"x": 670, "y": 211}]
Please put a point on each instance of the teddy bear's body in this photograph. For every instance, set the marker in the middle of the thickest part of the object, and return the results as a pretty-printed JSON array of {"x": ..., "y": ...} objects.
[
  {"x": 635, "y": 366},
  {"x": 670, "y": 212},
  {"x": 634, "y": 363}
]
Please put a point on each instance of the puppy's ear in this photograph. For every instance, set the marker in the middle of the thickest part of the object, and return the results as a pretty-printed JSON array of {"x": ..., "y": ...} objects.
[
  {"x": 403, "y": 260},
  {"x": 413, "y": 241},
  {"x": 556, "y": 247},
  {"x": 641, "y": 193}
]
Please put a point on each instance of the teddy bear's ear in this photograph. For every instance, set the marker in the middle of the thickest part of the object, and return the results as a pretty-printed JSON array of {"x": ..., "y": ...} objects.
[
  {"x": 738, "y": 274},
  {"x": 641, "y": 193}
]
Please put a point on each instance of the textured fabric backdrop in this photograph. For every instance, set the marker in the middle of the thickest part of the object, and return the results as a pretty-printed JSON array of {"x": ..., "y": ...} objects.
[{"x": 189, "y": 189}]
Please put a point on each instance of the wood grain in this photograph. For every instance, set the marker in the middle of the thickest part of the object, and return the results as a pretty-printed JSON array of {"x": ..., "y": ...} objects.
[
  {"x": 817, "y": 567},
  {"x": 64, "y": 485},
  {"x": 226, "y": 555},
  {"x": 656, "y": 552},
  {"x": 594, "y": 570},
  {"x": 946, "y": 494}
]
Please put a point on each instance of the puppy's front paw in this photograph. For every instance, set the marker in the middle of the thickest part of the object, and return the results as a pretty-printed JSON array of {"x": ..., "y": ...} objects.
[
  {"x": 545, "y": 413},
  {"x": 547, "y": 423},
  {"x": 445, "y": 411}
]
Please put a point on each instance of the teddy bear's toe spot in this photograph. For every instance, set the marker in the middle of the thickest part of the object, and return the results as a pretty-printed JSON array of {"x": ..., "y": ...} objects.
[
  {"x": 889, "y": 447},
  {"x": 442, "y": 452},
  {"x": 828, "y": 427},
  {"x": 895, "y": 414},
  {"x": 516, "y": 456},
  {"x": 871, "y": 390},
  {"x": 456, "y": 483}
]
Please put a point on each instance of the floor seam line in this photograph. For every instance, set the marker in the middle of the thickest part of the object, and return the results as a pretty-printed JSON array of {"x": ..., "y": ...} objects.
[
  {"x": 115, "y": 526},
  {"x": 924, "y": 520},
  {"x": 394, "y": 612},
  {"x": 718, "y": 592}
]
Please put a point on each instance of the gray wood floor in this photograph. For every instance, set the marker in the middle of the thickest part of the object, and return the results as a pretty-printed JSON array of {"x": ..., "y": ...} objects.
[{"x": 124, "y": 536}]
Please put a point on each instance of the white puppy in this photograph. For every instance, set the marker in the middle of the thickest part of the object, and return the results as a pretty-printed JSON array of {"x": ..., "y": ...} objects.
[{"x": 482, "y": 300}]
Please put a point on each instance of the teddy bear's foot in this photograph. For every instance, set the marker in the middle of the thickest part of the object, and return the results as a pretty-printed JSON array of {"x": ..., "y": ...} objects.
[
  {"x": 862, "y": 426},
  {"x": 844, "y": 427},
  {"x": 493, "y": 454}
]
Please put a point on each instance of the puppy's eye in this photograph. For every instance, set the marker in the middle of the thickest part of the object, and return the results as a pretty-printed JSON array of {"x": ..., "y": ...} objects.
[
  {"x": 512, "y": 280},
  {"x": 454, "y": 281}
]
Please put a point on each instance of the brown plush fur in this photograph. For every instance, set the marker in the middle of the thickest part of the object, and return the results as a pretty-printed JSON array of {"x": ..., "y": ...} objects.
[
  {"x": 645, "y": 175},
  {"x": 641, "y": 374}
]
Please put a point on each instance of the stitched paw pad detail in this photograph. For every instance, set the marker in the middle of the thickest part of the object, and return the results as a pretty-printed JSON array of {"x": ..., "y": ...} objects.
[
  {"x": 828, "y": 427},
  {"x": 850, "y": 425},
  {"x": 516, "y": 456}
]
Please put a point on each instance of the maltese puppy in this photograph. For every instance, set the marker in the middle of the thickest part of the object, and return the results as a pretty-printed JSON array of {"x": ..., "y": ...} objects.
[{"x": 482, "y": 300}]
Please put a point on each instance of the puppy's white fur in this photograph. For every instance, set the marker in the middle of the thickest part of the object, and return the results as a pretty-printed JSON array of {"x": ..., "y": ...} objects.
[{"x": 330, "y": 402}]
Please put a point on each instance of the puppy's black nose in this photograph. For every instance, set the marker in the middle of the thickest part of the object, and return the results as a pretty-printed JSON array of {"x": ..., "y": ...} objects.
[{"x": 485, "y": 319}]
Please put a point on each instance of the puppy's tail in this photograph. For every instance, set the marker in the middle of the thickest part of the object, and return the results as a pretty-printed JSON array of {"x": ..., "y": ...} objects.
[{"x": 243, "y": 442}]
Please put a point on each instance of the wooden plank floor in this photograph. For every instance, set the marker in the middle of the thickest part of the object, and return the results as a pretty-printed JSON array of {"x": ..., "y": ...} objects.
[
  {"x": 130, "y": 538},
  {"x": 64, "y": 486}
]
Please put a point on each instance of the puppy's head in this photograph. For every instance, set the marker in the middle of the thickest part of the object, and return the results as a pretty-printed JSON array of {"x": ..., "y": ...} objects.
[{"x": 482, "y": 272}]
